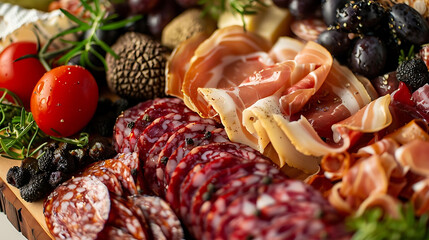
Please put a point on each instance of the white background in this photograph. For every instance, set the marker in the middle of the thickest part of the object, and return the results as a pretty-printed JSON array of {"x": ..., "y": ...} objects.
[{"x": 7, "y": 230}]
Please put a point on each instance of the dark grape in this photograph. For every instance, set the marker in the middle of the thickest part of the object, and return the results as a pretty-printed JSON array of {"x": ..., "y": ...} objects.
[
  {"x": 139, "y": 26},
  {"x": 142, "y": 6},
  {"x": 385, "y": 84},
  {"x": 409, "y": 24},
  {"x": 336, "y": 41},
  {"x": 282, "y": 3},
  {"x": 161, "y": 16},
  {"x": 303, "y": 8},
  {"x": 368, "y": 56},
  {"x": 329, "y": 10},
  {"x": 187, "y": 3},
  {"x": 121, "y": 7},
  {"x": 361, "y": 16}
]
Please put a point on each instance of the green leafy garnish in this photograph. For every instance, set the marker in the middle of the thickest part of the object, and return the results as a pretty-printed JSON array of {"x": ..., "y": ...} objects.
[
  {"x": 410, "y": 55},
  {"x": 20, "y": 137},
  {"x": 215, "y": 8},
  {"x": 372, "y": 225},
  {"x": 98, "y": 20}
]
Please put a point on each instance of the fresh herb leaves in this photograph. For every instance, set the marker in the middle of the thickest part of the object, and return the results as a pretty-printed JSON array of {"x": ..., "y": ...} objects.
[
  {"x": 373, "y": 226},
  {"x": 20, "y": 137}
]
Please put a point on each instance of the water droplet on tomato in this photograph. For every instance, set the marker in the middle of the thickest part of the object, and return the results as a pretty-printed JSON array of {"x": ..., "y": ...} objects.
[
  {"x": 62, "y": 120},
  {"x": 40, "y": 86}
]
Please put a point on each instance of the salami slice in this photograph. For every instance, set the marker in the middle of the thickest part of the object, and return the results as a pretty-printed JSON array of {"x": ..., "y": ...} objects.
[
  {"x": 107, "y": 178},
  {"x": 203, "y": 154},
  {"x": 161, "y": 216},
  {"x": 160, "y": 108},
  {"x": 219, "y": 185},
  {"x": 125, "y": 121},
  {"x": 121, "y": 171},
  {"x": 154, "y": 137},
  {"x": 216, "y": 136},
  {"x": 77, "y": 209},
  {"x": 187, "y": 134},
  {"x": 114, "y": 233},
  {"x": 123, "y": 218},
  {"x": 132, "y": 161}
]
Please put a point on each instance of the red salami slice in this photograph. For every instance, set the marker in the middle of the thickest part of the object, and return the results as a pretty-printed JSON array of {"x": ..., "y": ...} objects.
[
  {"x": 159, "y": 213},
  {"x": 77, "y": 209},
  {"x": 121, "y": 171},
  {"x": 215, "y": 136},
  {"x": 154, "y": 137},
  {"x": 123, "y": 218},
  {"x": 187, "y": 134},
  {"x": 132, "y": 161},
  {"x": 125, "y": 122},
  {"x": 203, "y": 154},
  {"x": 114, "y": 233},
  {"x": 107, "y": 178},
  {"x": 220, "y": 184},
  {"x": 160, "y": 108}
]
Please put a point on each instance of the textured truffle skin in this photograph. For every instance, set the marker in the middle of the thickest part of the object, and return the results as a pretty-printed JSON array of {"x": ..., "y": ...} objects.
[{"x": 139, "y": 72}]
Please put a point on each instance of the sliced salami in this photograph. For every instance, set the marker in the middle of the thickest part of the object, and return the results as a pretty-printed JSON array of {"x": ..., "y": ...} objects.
[
  {"x": 160, "y": 108},
  {"x": 203, "y": 154},
  {"x": 187, "y": 134},
  {"x": 121, "y": 171},
  {"x": 123, "y": 218},
  {"x": 220, "y": 184},
  {"x": 114, "y": 233},
  {"x": 125, "y": 121},
  {"x": 132, "y": 161},
  {"x": 77, "y": 209},
  {"x": 160, "y": 216},
  {"x": 216, "y": 136},
  {"x": 107, "y": 178}
]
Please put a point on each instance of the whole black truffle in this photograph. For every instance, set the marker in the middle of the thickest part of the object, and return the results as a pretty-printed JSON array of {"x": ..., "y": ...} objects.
[
  {"x": 17, "y": 176},
  {"x": 37, "y": 188},
  {"x": 413, "y": 72},
  {"x": 139, "y": 72}
]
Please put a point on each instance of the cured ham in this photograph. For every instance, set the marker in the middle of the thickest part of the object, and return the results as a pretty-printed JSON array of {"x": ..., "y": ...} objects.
[
  {"x": 293, "y": 98},
  {"x": 223, "y": 60},
  {"x": 381, "y": 172}
]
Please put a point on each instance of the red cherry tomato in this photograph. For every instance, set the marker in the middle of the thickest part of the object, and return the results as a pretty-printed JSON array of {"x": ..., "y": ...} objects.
[
  {"x": 64, "y": 100},
  {"x": 21, "y": 76}
]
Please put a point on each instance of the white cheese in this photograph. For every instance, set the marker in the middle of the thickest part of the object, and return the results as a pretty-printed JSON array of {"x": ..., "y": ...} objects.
[{"x": 20, "y": 24}]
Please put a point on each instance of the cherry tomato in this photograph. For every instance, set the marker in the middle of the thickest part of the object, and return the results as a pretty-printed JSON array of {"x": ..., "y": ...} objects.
[
  {"x": 21, "y": 76},
  {"x": 64, "y": 100}
]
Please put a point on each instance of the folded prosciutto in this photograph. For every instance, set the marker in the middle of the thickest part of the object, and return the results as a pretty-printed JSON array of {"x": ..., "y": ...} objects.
[{"x": 293, "y": 97}]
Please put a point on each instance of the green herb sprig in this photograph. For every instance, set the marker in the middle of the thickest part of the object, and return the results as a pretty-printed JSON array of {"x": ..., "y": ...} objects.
[
  {"x": 20, "y": 137},
  {"x": 410, "y": 55},
  {"x": 372, "y": 225},
  {"x": 215, "y": 8},
  {"x": 98, "y": 20}
]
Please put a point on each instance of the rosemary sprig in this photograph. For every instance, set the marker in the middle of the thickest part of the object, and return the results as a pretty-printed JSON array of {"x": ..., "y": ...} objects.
[
  {"x": 410, "y": 55},
  {"x": 215, "y": 8},
  {"x": 373, "y": 226},
  {"x": 20, "y": 137}
]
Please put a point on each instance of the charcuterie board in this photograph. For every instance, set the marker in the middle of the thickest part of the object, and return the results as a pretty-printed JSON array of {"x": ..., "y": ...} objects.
[{"x": 25, "y": 217}]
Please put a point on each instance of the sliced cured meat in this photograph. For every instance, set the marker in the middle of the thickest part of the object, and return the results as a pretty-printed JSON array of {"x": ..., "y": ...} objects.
[
  {"x": 308, "y": 29},
  {"x": 188, "y": 135},
  {"x": 223, "y": 165},
  {"x": 258, "y": 209},
  {"x": 218, "y": 185},
  {"x": 123, "y": 218},
  {"x": 121, "y": 171},
  {"x": 158, "y": 213},
  {"x": 223, "y": 60},
  {"x": 77, "y": 209},
  {"x": 125, "y": 121},
  {"x": 114, "y": 233},
  {"x": 215, "y": 136},
  {"x": 203, "y": 154},
  {"x": 107, "y": 178},
  {"x": 161, "y": 108},
  {"x": 178, "y": 63},
  {"x": 132, "y": 161},
  {"x": 154, "y": 137}
]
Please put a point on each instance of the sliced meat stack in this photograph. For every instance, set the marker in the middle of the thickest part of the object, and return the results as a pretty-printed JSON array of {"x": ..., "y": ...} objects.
[{"x": 218, "y": 189}]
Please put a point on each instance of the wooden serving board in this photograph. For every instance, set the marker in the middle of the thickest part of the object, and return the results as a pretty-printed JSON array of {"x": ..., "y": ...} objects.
[{"x": 25, "y": 217}]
